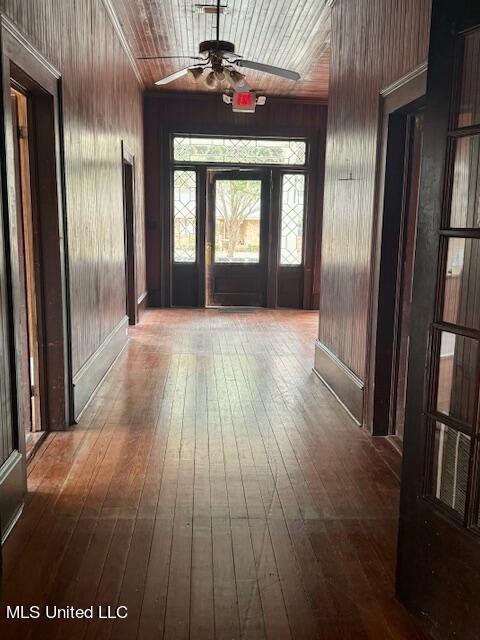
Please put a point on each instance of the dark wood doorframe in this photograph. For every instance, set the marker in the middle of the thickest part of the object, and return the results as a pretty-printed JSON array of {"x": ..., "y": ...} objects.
[
  {"x": 30, "y": 269},
  {"x": 128, "y": 178},
  {"x": 267, "y": 236},
  {"x": 404, "y": 284},
  {"x": 23, "y": 64},
  {"x": 193, "y": 275},
  {"x": 397, "y": 101},
  {"x": 313, "y": 171},
  {"x": 41, "y": 85},
  {"x": 273, "y": 239}
]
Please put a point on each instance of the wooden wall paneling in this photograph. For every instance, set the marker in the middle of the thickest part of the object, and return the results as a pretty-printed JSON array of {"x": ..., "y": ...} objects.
[
  {"x": 101, "y": 105},
  {"x": 153, "y": 197},
  {"x": 373, "y": 43},
  {"x": 191, "y": 113}
]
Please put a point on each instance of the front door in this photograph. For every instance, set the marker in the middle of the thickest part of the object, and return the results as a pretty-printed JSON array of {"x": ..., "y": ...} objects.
[
  {"x": 237, "y": 239},
  {"x": 439, "y": 541}
]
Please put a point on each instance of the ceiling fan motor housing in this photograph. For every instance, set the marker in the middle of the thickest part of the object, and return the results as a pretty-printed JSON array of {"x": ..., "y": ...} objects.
[{"x": 222, "y": 46}]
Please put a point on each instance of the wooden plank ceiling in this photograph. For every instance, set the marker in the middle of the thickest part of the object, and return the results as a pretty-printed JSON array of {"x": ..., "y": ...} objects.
[{"x": 285, "y": 33}]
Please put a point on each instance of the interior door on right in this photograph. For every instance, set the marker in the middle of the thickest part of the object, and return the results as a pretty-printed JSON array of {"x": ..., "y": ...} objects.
[{"x": 438, "y": 571}]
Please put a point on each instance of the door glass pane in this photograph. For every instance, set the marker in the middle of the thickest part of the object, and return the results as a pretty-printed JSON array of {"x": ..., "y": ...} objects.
[
  {"x": 462, "y": 283},
  {"x": 465, "y": 207},
  {"x": 184, "y": 216},
  {"x": 451, "y": 455},
  {"x": 237, "y": 220},
  {"x": 292, "y": 214},
  {"x": 239, "y": 150},
  {"x": 469, "y": 110},
  {"x": 457, "y": 385}
]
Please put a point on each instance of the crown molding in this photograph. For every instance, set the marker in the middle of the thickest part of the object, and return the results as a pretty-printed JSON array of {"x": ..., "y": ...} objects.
[
  {"x": 12, "y": 29},
  {"x": 123, "y": 41},
  {"x": 411, "y": 75}
]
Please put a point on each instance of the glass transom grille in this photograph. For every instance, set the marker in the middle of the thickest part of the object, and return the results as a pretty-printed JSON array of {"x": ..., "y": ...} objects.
[{"x": 239, "y": 150}]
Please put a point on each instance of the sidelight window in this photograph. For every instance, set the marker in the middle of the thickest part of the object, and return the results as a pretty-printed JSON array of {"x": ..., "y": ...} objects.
[
  {"x": 292, "y": 216},
  {"x": 184, "y": 216}
]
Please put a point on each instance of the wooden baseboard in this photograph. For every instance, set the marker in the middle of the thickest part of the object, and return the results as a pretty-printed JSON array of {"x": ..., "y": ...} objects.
[
  {"x": 344, "y": 384},
  {"x": 142, "y": 304},
  {"x": 86, "y": 381}
]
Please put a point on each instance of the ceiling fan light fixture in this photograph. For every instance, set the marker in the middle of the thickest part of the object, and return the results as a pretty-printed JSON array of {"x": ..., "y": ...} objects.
[
  {"x": 219, "y": 75},
  {"x": 194, "y": 73},
  {"x": 211, "y": 81},
  {"x": 236, "y": 77}
]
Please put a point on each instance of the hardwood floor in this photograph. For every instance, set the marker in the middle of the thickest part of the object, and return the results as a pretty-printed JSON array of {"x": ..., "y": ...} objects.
[{"x": 215, "y": 488}]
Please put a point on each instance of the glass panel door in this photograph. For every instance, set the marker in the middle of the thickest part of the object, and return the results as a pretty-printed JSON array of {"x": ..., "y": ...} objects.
[
  {"x": 237, "y": 238},
  {"x": 452, "y": 405},
  {"x": 438, "y": 572}
]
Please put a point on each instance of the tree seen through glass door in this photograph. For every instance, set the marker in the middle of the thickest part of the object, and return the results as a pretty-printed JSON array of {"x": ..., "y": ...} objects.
[{"x": 237, "y": 220}]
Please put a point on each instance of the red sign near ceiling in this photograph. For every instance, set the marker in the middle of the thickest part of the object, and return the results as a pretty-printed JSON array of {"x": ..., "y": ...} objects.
[{"x": 244, "y": 101}]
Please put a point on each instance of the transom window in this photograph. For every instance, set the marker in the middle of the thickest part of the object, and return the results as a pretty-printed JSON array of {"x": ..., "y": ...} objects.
[{"x": 238, "y": 151}]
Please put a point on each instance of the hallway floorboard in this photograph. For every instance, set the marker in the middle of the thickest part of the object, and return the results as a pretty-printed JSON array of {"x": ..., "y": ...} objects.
[{"x": 215, "y": 488}]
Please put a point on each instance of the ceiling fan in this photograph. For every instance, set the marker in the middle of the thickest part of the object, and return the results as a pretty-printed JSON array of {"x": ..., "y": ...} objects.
[{"x": 219, "y": 56}]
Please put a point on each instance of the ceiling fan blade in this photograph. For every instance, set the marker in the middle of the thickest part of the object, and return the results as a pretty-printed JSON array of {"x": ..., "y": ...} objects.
[
  {"x": 231, "y": 57},
  {"x": 268, "y": 68},
  {"x": 170, "y": 58},
  {"x": 173, "y": 76}
]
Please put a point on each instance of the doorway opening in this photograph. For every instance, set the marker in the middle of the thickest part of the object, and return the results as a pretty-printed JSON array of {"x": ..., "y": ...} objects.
[
  {"x": 128, "y": 176},
  {"x": 30, "y": 272},
  {"x": 396, "y": 272},
  {"x": 36, "y": 321},
  {"x": 33, "y": 167},
  {"x": 243, "y": 223},
  {"x": 401, "y": 159},
  {"x": 237, "y": 239}
]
